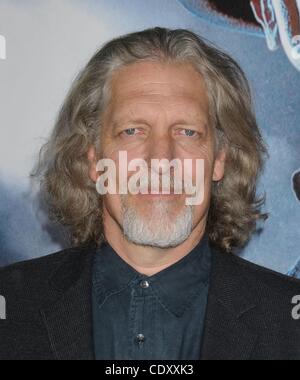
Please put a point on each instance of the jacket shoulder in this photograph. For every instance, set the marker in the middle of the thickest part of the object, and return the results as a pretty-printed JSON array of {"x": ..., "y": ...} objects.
[
  {"x": 40, "y": 264},
  {"x": 32, "y": 277},
  {"x": 264, "y": 278}
]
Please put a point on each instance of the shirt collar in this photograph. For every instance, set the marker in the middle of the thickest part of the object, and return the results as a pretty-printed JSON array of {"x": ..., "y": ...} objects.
[{"x": 175, "y": 287}]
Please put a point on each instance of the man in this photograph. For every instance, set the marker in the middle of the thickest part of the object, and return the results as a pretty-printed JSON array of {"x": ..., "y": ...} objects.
[{"x": 150, "y": 275}]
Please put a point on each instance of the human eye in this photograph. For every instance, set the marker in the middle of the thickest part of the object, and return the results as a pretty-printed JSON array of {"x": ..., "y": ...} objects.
[
  {"x": 188, "y": 133},
  {"x": 131, "y": 132}
]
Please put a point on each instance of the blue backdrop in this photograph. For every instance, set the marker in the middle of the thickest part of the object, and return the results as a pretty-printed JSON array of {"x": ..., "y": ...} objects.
[{"x": 49, "y": 41}]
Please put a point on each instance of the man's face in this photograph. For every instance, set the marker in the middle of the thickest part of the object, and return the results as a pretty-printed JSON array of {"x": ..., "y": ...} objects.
[{"x": 159, "y": 111}]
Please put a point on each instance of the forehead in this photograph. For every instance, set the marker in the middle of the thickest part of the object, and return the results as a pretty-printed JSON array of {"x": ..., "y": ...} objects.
[{"x": 177, "y": 84}]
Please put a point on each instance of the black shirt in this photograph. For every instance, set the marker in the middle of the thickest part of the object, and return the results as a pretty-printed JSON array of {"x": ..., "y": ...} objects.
[{"x": 161, "y": 317}]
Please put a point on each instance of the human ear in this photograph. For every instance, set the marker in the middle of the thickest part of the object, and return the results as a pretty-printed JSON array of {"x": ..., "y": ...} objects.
[
  {"x": 219, "y": 166},
  {"x": 92, "y": 157}
]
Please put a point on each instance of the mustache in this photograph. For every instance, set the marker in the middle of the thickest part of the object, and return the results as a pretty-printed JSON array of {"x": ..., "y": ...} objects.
[{"x": 157, "y": 183}]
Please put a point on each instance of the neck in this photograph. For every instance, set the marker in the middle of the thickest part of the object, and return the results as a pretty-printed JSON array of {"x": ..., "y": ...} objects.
[{"x": 144, "y": 259}]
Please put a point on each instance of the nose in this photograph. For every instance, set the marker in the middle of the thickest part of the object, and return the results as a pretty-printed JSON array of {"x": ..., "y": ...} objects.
[{"x": 161, "y": 148}]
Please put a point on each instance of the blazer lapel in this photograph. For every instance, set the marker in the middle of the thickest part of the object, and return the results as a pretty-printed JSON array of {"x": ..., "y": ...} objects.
[
  {"x": 226, "y": 336},
  {"x": 69, "y": 319}
]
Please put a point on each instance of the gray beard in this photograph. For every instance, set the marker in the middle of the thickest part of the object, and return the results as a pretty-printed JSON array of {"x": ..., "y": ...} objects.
[{"x": 158, "y": 229}]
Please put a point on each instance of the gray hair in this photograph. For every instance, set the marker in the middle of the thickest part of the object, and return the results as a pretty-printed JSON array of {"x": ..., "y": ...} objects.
[{"x": 63, "y": 166}]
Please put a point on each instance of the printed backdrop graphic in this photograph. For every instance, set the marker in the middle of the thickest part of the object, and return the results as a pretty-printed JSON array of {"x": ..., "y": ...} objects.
[{"x": 43, "y": 44}]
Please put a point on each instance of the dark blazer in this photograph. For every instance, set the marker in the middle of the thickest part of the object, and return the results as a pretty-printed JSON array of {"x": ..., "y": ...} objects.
[{"x": 49, "y": 316}]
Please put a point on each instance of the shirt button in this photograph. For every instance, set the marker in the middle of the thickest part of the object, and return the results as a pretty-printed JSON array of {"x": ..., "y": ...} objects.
[
  {"x": 144, "y": 284},
  {"x": 140, "y": 339}
]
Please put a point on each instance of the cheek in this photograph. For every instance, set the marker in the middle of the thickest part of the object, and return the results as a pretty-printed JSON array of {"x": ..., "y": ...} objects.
[
  {"x": 204, "y": 153},
  {"x": 139, "y": 153},
  {"x": 201, "y": 210},
  {"x": 113, "y": 205},
  {"x": 207, "y": 154}
]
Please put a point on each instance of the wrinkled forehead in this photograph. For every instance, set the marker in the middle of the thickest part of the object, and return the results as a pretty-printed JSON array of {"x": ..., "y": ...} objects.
[{"x": 176, "y": 85}]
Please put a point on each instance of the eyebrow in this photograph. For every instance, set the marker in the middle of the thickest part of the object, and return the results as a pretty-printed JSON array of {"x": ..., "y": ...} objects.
[
  {"x": 138, "y": 121},
  {"x": 116, "y": 124}
]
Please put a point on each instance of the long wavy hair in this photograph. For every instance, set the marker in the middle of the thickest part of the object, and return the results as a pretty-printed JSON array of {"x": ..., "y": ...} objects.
[{"x": 63, "y": 166}]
